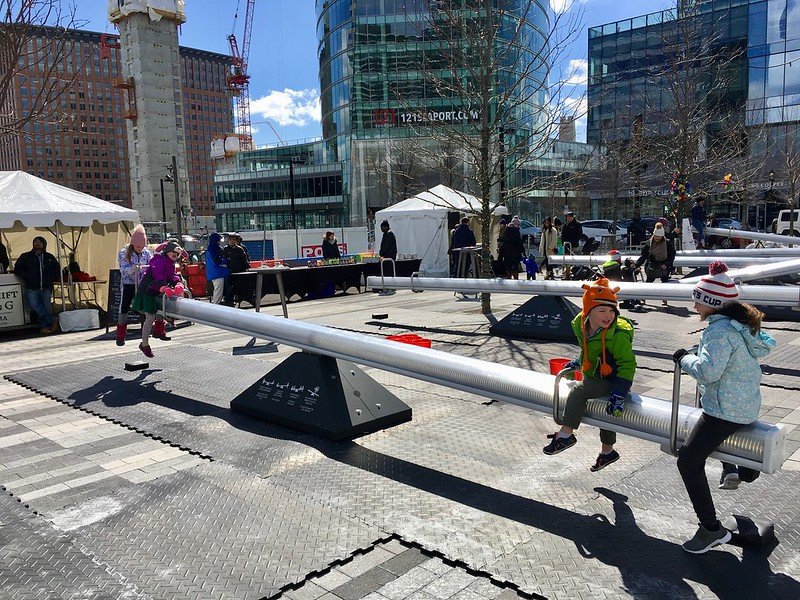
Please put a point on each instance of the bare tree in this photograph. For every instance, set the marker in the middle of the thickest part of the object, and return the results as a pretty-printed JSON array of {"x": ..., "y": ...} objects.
[
  {"x": 491, "y": 70},
  {"x": 698, "y": 115},
  {"x": 34, "y": 43}
]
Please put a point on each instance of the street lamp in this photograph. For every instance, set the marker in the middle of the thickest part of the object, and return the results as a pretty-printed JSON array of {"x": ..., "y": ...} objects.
[
  {"x": 771, "y": 176},
  {"x": 168, "y": 179},
  {"x": 294, "y": 160}
]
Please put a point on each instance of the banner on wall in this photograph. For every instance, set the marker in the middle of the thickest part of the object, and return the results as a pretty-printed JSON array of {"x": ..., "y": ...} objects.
[
  {"x": 12, "y": 312},
  {"x": 316, "y": 250}
]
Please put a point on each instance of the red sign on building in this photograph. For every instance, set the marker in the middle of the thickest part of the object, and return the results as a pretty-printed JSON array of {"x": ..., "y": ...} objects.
[{"x": 384, "y": 117}]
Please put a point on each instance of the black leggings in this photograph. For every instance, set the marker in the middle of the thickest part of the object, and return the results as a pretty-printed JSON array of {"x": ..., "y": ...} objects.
[
  {"x": 128, "y": 292},
  {"x": 707, "y": 435}
]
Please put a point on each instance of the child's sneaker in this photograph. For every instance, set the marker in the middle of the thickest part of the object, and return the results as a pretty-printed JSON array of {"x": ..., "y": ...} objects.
[
  {"x": 729, "y": 481},
  {"x": 603, "y": 460},
  {"x": 559, "y": 444},
  {"x": 704, "y": 540}
]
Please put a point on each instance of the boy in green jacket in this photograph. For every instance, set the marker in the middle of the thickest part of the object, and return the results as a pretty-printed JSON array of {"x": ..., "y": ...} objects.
[{"x": 608, "y": 365}]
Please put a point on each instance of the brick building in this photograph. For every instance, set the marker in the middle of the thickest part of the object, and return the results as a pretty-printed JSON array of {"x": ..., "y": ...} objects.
[{"x": 85, "y": 148}]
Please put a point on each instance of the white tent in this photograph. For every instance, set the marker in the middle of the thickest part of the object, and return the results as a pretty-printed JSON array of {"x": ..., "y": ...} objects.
[
  {"x": 93, "y": 229},
  {"x": 420, "y": 224}
]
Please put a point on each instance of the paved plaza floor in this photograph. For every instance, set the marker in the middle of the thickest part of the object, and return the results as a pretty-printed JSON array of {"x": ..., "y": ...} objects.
[{"x": 144, "y": 484}]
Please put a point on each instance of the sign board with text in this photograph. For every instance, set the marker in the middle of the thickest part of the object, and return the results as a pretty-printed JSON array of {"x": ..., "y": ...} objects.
[
  {"x": 315, "y": 251},
  {"x": 12, "y": 310}
]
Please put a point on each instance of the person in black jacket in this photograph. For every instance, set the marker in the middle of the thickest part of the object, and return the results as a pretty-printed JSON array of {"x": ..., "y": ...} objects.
[
  {"x": 463, "y": 237},
  {"x": 637, "y": 230},
  {"x": 39, "y": 269},
  {"x": 330, "y": 246},
  {"x": 658, "y": 255},
  {"x": 513, "y": 249},
  {"x": 388, "y": 243},
  {"x": 238, "y": 262},
  {"x": 572, "y": 232}
]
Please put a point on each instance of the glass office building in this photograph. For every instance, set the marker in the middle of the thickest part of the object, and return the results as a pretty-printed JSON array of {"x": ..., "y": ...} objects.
[
  {"x": 384, "y": 68},
  {"x": 761, "y": 40}
]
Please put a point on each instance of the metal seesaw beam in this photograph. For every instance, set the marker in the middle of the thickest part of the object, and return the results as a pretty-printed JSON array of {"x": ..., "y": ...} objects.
[
  {"x": 680, "y": 261},
  {"x": 774, "y": 295},
  {"x": 758, "y": 446},
  {"x": 752, "y": 235}
]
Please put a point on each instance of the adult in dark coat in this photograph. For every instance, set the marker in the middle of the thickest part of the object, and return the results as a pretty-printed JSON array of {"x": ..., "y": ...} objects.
[
  {"x": 238, "y": 262},
  {"x": 39, "y": 270},
  {"x": 4, "y": 263},
  {"x": 388, "y": 247},
  {"x": 658, "y": 255},
  {"x": 463, "y": 237},
  {"x": 637, "y": 230},
  {"x": 571, "y": 232},
  {"x": 330, "y": 246},
  {"x": 513, "y": 249}
]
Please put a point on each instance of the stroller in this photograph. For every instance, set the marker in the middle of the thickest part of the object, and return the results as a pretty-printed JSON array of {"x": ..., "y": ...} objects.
[{"x": 584, "y": 272}]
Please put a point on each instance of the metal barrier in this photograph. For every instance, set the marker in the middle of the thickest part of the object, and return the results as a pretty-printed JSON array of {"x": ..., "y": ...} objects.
[
  {"x": 759, "y": 445},
  {"x": 773, "y": 295}
]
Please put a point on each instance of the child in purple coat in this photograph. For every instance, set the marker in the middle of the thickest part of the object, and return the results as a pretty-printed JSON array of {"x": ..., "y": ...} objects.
[{"x": 160, "y": 274}]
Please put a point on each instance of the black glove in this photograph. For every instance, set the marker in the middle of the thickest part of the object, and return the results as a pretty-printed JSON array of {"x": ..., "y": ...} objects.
[{"x": 679, "y": 354}]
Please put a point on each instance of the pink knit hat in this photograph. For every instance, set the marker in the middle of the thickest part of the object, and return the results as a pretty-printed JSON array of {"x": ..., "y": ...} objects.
[
  {"x": 138, "y": 236},
  {"x": 717, "y": 289}
]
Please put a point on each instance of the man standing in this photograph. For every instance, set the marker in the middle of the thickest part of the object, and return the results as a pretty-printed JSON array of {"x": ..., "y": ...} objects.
[
  {"x": 637, "y": 230},
  {"x": 699, "y": 218},
  {"x": 388, "y": 243},
  {"x": 4, "y": 264},
  {"x": 463, "y": 237},
  {"x": 572, "y": 232},
  {"x": 39, "y": 270}
]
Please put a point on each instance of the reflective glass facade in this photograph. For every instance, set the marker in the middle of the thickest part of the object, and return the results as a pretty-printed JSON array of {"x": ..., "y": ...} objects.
[
  {"x": 379, "y": 61},
  {"x": 761, "y": 90}
]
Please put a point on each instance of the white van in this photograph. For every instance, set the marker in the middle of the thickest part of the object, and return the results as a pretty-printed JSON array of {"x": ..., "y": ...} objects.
[{"x": 783, "y": 222}]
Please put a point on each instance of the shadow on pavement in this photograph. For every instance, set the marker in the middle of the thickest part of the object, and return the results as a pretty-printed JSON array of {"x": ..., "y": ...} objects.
[{"x": 649, "y": 566}]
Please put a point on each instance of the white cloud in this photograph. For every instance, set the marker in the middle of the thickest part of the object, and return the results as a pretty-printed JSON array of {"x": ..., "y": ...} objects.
[
  {"x": 577, "y": 72},
  {"x": 561, "y": 6},
  {"x": 288, "y": 107}
]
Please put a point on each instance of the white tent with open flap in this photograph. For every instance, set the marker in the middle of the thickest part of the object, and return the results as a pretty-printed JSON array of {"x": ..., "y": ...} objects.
[
  {"x": 420, "y": 225},
  {"x": 70, "y": 221}
]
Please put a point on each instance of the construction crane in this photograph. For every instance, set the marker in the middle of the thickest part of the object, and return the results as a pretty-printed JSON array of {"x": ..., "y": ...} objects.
[{"x": 238, "y": 80}]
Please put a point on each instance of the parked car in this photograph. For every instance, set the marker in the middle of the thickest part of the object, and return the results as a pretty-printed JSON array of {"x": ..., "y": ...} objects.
[
  {"x": 784, "y": 217},
  {"x": 598, "y": 228},
  {"x": 726, "y": 242},
  {"x": 530, "y": 233}
]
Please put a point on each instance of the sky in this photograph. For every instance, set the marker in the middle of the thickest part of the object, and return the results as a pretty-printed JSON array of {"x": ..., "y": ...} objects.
[{"x": 283, "y": 66}]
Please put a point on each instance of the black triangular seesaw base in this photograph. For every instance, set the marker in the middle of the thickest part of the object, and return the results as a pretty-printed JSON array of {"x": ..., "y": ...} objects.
[{"x": 322, "y": 395}]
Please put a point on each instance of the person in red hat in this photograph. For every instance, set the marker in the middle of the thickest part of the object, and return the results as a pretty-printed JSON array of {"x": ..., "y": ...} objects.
[{"x": 608, "y": 366}]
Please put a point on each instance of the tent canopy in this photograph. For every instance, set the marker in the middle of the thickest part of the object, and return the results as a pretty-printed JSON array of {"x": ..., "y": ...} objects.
[
  {"x": 69, "y": 221},
  {"x": 35, "y": 202},
  {"x": 420, "y": 224},
  {"x": 437, "y": 200}
]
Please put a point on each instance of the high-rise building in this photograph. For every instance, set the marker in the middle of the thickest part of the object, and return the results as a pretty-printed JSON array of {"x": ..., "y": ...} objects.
[
  {"x": 634, "y": 63},
  {"x": 85, "y": 146},
  {"x": 381, "y": 103}
]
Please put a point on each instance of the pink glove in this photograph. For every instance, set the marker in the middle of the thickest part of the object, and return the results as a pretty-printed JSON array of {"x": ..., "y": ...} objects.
[
  {"x": 167, "y": 291},
  {"x": 178, "y": 289}
]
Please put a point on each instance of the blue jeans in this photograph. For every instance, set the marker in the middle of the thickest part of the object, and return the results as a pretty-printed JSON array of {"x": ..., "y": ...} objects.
[
  {"x": 40, "y": 302},
  {"x": 700, "y": 226}
]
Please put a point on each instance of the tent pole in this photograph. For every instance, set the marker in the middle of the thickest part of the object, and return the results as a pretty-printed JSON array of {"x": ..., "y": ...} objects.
[{"x": 60, "y": 270}]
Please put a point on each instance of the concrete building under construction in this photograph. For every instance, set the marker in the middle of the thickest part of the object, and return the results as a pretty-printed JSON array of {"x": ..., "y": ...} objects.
[{"x": 105, "y": 118}]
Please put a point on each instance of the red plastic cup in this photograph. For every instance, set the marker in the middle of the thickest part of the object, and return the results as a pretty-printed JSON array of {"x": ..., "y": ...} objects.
[{"x": 557, "y": 365}]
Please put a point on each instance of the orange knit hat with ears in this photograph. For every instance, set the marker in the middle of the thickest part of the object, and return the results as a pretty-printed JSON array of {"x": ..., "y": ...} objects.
[{"x": 597, "y": 294}]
